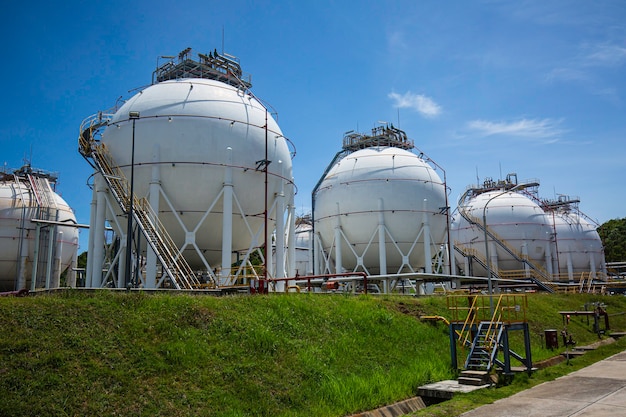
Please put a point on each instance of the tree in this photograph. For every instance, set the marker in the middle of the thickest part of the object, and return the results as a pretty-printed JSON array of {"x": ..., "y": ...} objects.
[{"x": 613, "y": 235}]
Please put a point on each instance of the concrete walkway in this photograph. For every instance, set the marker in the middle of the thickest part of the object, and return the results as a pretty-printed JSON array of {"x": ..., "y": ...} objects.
[{"x": 598, "y": 390}]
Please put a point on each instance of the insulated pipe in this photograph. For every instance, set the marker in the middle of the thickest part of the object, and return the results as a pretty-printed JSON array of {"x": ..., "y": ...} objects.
[{"x": 227, "y": 218}]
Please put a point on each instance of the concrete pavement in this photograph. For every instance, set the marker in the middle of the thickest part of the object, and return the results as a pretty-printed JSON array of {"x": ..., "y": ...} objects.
[{"x": 598, "y": 390}]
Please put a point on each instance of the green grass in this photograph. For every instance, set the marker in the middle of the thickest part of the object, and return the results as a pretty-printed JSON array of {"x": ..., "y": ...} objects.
[{"x": 109, "y": 353}]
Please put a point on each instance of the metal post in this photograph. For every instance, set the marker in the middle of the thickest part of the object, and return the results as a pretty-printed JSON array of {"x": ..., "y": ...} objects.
[
  {"x": 487, "y": 260},
  {"x": 133, "y": 115}
]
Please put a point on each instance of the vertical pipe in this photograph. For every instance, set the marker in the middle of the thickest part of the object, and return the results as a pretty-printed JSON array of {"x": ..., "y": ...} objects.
[
  {"x": 92, "y": 232},
  {"x": 21, "y": 275},
  {"x": 570, "y": 267},
  {"x": 428, "y": 264},
  {"x": 291, "y": 238},
  {"x": 58, "y": 267},
  {"x": 33, "y": 281},
  {"x": 131, "y": 202},
  {"x": 227, "y": 218},
  {"x": 98, "y": 243},
  {"x": 23, "y": 245},
  {"x": 280, "y": 231},
  {"x": 268, "y": 248},
  {"x": 382, "y": 247},
  {"x": 51, "y": 241},
  {"x": 525, "y": 256},
  {"x": 549, "y": 258},
  {"x": 592, "y": 264},
  {"x": 338, "y": 260},
  {"x": 71, "y": 272}
]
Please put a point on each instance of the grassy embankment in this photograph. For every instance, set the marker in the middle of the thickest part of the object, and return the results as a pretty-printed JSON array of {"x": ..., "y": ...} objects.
[{"x": 108, "y": 353}]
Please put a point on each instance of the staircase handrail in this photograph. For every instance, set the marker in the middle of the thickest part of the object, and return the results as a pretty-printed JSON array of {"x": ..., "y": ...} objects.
[
  {"x": 174, "y": 265},
  {"x": 541, "y": 280}
]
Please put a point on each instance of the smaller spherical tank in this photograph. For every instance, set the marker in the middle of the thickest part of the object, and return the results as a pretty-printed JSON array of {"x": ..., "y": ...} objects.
[
  {"x": 374, "y": 188},
  {"x": 17, "y": 233},
  {"x": 578, "y": 243},
  {"x": 514, "y": 218}
]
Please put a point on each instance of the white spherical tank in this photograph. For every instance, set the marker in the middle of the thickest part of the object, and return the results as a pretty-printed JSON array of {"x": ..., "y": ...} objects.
[
  {"x": 376, "y": 189},
  {"x": 187, "y": 135},
  {"x": 578, "y": 243},
  {"x": 17, "y": 207},
  {"x": 304, "y": 248},
  {"x": 511, "y": 216}
]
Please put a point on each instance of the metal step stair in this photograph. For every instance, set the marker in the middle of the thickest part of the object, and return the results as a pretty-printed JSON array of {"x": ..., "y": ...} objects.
[
  {"x": 484, "y": 346},
  {"x": 174, "y": 265}
]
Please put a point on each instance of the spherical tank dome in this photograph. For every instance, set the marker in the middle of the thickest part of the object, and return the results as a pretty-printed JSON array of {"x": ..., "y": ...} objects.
[
  {"x": 186, "y": 133},
  {"x": 514, "y": 218},
  {"x": 578, "y": 243},
  {"x": 17, "y": 208},
  {"x": 374, "y": 186}
]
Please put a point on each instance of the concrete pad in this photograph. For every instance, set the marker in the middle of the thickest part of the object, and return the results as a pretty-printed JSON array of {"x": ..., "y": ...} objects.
[
  {"x": 599, "y": 410},
  {"x": 516, "y": 406},
  {"x": 617, "y": 399},
  {"x": 446, "y": 389},
  {"x": 598, "y": 390},
  {"x": 605, "y": 369},
  {"x": 574, "y": 389}
]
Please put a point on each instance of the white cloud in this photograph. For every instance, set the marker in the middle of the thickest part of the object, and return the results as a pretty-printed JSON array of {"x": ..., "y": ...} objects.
[
  {"x": 605, "y": 55},
  {"x": 533, "y": 128},
  {"x": 418, "y": 102}
]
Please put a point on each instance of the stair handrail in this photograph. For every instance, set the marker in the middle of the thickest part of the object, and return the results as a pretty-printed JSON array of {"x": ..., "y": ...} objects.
[
  {"x": 159, "y": 240},
  {"x": 542, "y": 280}
]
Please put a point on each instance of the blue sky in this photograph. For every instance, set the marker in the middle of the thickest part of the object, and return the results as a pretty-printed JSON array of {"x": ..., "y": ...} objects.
[{"x": 483, "y": 87}]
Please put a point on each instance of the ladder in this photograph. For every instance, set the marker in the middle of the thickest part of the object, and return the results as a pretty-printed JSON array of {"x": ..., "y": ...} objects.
[
  {"x": 174, "y": 265},
  {"x": 43, "y": 195}
]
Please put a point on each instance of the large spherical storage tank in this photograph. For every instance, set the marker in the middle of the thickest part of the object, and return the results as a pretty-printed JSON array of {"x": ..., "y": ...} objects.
[
  {"x": 515, "y": 219},
  {"x": 374, "y": 186},
  {"x": 17, "y": 207},
  {"x": 189, "y": 133},
  {"x": 578, "y": 243}
]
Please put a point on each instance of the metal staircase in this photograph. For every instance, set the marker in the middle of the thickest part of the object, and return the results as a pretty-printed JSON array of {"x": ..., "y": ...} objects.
[
  {"x": 482, "y": 324},
  {"x": 538, "y": 275},
  {"x": 174, "y": 265},
  {"x": 484, "y": 346}
]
